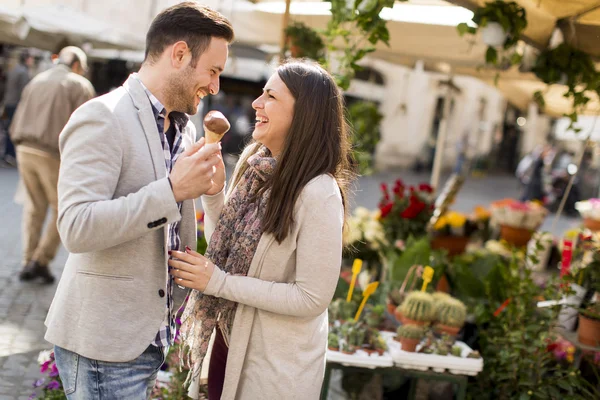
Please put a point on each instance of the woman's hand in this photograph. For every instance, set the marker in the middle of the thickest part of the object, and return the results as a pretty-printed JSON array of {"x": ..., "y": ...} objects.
[
  {"x": 190, "y": 269},
  {"x": 218, "y": 179}
]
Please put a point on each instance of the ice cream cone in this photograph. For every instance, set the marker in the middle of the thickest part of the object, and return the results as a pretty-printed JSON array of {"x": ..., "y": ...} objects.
[{"x": 215, "y": 126}]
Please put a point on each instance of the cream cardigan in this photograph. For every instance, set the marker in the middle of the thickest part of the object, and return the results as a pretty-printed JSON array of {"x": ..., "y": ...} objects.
[{"x": 279, "y": 335}]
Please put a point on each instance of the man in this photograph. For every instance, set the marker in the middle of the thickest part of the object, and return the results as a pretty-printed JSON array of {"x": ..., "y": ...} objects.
[
  {"x": 16, "y": 80},
  {"x": 45, "y": 107},
  {"x": 126, "y": 199}
]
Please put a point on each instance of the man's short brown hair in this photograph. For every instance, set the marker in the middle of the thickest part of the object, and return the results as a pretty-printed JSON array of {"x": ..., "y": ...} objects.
[{"x": 190, "y": 22}]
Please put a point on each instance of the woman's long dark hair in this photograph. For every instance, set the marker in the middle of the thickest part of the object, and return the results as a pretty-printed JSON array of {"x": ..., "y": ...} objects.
[{"x": 317, "y": 143}]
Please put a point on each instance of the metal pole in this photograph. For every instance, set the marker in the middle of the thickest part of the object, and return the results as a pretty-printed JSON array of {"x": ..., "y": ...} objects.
[
  {"x": 579, "y": 159},
  {"x": 285, "y": 23},
  {"x": 441, "y": 140}
]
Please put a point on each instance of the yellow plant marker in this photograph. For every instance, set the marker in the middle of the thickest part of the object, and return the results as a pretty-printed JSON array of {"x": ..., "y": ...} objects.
[
  {"x": 356, "y": 266},
  {"x": 369, "y": 290},
  {"x": 427, "y": 277}
]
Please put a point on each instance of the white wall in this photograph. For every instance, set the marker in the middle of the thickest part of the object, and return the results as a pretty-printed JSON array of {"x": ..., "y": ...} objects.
[{"x": 408, "y": 104}]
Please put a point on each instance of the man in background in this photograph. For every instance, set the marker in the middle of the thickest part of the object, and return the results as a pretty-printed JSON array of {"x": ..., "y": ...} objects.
[
  {"x": 16, "y": 80},
  {"x": 45, "y": 107}
]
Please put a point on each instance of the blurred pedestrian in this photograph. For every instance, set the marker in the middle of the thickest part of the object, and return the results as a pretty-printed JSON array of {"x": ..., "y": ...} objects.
[
  {"x": 16, "y": 80},
  {"x": 45, "y": 107}
]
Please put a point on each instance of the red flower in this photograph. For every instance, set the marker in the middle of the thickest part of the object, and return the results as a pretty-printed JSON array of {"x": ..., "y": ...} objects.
[
  {"x": 384, "y": 190},
  {"x": 386, "y": 209},
  {"x": 424, "y": 187},
  {"x": 399, "y": 188},
  {"x": 414, "y": 208}
]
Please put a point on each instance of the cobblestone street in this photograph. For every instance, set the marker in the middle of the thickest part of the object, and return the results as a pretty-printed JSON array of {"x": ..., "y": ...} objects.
[{"x": 23, "y": 306}]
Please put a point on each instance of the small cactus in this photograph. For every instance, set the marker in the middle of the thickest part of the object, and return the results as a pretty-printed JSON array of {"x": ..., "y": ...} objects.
[
  {"x": 410, "y": 332},
  {"x": 440, "y": 296},
  {"x": 418, "y": 306},
  {"x": 374, "y": 316},
  {"x": 456, "y": 351},
  {"x": 474, "y": 354},
  {"x": 451, "y": 312},
  {"x": 333, "y": 341}
]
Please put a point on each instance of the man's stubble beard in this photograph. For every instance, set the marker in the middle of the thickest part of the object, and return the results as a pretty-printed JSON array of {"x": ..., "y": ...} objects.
[{"x": 180, "y": 92}]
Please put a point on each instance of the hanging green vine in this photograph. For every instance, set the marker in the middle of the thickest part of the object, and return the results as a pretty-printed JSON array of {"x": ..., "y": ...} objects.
[
  {"x": 513, "y": 19},
  {"x": 354, "y": 29},
  {"x": 573, "y": 68},
  {"x": 303, "y": 41}
]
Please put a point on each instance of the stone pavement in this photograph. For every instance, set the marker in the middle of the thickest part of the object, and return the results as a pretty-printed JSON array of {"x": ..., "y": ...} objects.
[{"x": 23, "y": 306}]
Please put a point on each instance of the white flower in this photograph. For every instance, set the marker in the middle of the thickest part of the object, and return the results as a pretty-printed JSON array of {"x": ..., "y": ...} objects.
[
  {"x": 44, "y": 356},
  {"x": 362, "y": 213}
]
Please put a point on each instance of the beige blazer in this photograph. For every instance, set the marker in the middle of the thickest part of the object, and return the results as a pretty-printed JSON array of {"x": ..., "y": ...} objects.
[
  {"x": 114, "y": 205},
  {"x": 279, "y": 335}
]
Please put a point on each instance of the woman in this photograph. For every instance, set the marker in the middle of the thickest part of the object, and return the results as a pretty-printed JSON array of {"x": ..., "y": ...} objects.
[{"x": 274, "y": 258}]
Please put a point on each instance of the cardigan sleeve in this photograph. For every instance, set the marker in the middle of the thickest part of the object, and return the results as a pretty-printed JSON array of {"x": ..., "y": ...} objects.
[
  {"x": 212, "y": 206},
  {"x": 318, "y": 262}
]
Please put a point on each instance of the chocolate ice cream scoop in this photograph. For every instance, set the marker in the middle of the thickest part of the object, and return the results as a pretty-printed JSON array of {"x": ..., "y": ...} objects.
[{"x": 215, "y": 126}]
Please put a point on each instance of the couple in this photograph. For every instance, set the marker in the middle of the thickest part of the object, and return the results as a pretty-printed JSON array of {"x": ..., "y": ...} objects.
[{"x": 131, "y": 169}]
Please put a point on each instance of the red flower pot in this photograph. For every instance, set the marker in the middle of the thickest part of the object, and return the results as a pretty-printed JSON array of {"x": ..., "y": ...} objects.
[
  {"x": 409, "y": 345},
  {"x": 592, "y": 224},
  {"x": 455, "y": 245}
]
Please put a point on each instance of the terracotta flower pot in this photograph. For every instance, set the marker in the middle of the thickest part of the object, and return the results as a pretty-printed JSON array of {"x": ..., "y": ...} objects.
[
  {"x": 333, "y": 348},
  {"x": 407, "y": 321},
  {"x": 450, "y": 330},
  {"x": 589, "y": 331},
  {"x": 592, "y": 224},
  {"x": 409, "y": 345},
  {"x": 518, "y": 237},
  {"x": 455, "y": 245}
]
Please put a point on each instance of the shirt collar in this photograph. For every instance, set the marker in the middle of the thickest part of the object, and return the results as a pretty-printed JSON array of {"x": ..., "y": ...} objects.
[{"x": 159, "y": 110}]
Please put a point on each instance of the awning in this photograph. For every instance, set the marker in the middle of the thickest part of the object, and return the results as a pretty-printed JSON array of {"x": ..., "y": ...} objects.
[{"x": 52, "y": 26}]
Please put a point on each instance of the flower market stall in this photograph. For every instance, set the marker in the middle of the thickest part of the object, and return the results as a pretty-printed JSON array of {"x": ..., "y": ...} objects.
[{"x": 473, "y": 299}]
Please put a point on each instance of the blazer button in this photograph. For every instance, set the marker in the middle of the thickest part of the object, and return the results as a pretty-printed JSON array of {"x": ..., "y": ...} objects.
[
  {"x": 161, "y": 293},
  {"x": 162, "y": 221},
  {"x": 150, "y": 225}
]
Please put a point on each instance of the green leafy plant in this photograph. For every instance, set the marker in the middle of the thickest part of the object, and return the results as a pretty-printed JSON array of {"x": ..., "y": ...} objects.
[
  {"x": 352, "y": 32},
  {"x": 418, "y": 306},
  {"x": 574, "y": 68},
  {"x": 514, "y": 338},
  {"x": 513, "y": 19},
  {"x": 333, "y": 342},
  {"x": 374, "y": 315},
  {"x": 304, "y": 41},
  {"x": 365, "y": 118}
]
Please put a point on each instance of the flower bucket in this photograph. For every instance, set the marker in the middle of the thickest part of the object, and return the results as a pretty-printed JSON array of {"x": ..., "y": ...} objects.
[
  {"x": 518, "y": 237},
  {"x": 568, "y": 312},
  {"x": 589, "y": 331},
  {"x": 493, "y": 34},
  {"x": 454, "y": 244},
  {"x": 592, "y": 224}
]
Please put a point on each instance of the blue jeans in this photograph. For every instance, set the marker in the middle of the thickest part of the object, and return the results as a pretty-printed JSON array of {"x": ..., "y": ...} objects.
[{"x": 86, "y": 379}]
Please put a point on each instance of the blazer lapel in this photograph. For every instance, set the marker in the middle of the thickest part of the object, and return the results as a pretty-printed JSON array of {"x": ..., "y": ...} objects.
[{"x": 146, "y": 116}]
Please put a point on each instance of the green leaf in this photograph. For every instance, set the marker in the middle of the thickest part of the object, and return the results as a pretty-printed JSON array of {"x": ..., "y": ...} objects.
[
  {"x": 491, "y": 55},
  {"x": 524, "y": 396}
]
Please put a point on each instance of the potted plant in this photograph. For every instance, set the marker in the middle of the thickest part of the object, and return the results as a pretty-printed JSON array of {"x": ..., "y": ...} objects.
[
  {"x": 589, "y": 325},
  {"x": 501, "y": 23},
  {"x": 405, "y": 211},
  {"x": 456, "y": 351},
  {"x": 374, "y": 316},
  {"x": 416, "y": 309},
  {"x": 451, "y": 232},
  {"x": 409, "y": 336},
  {"x": 568, "y": 66},
  {"x": 590, "y": 212},
  {"x": 517, "y": 220},
  {"x": 304, "y": 41},
  {"x": 333, "y": 341},
  {"x": 450, "y": 316}
]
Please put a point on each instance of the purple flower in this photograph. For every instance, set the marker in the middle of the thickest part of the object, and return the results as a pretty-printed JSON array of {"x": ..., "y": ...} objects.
[
  {"x": 54, "y": 371},
  {"x": 38, "y": 383},
  {"x": 53, "y": 385},
  {"x": 32, "y": 396}
]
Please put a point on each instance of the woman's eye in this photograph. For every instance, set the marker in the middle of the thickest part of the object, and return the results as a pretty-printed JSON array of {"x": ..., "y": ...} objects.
[{"x": 271, "y": 97}]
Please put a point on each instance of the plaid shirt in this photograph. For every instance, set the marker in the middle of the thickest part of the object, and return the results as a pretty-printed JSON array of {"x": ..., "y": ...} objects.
[{"x": 166, "y": 334}]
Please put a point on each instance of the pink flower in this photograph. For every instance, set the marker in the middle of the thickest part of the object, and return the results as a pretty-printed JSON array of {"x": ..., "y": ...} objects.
[
  {"x": 45, "y": 366},
  {"x": 400, "y": 244},
  {"x": 53, "y": 371},
  {"x": 53, "y": 385}
]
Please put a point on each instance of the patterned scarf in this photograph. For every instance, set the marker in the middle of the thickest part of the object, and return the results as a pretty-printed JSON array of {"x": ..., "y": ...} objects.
[{"x": 232, "y": 247}]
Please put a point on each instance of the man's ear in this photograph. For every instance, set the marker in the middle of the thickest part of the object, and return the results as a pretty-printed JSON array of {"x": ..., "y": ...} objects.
[{"x": 180, "y": 52}]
